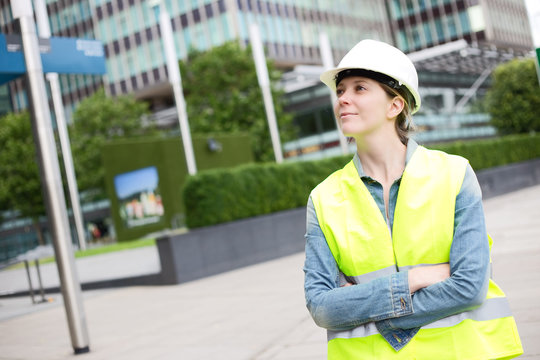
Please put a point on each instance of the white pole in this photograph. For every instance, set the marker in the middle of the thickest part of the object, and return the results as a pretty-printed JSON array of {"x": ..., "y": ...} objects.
[
  {"x": 45, "y": 32},
  {"x": 328, "y": 63},
  {"x": 533, "y": 10},
  {"x": 51, "y": 178},
  {"x": 176, "y": 82},
  {"x": 264, "y": 83}
]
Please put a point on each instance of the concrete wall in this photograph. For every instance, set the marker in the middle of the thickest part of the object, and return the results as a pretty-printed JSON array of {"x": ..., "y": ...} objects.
[
  {"x": 214, "y": 249},
  {"x": 504, "y": 179},
  {"x": 219, "y": 248}
]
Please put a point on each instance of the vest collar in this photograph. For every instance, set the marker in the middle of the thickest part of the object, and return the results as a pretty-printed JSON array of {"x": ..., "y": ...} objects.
[{"x": 411, "y": 148}]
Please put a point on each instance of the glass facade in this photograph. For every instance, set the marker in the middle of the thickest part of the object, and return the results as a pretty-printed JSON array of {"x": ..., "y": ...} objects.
[
  {"x": 420, "y": 24},
  {"x": 290, "y": 31}
]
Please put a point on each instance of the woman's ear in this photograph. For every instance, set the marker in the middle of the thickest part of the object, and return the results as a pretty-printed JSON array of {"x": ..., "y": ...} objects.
[{"x": 396, "y": 107}]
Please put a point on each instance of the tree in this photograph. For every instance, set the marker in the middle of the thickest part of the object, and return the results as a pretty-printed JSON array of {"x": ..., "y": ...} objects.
[
  {"x": 514, "y": 98},
  {"x": 97, "y": 120},
  {"x": 222, "y": 95},
  {"x": 20, "y": 188}
]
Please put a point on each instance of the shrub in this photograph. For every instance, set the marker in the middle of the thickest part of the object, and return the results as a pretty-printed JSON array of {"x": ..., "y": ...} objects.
[
  {"x": 514, "y": 98},
  {"x": 488, "y": 153},
  {"x": 221, "y": 195}
]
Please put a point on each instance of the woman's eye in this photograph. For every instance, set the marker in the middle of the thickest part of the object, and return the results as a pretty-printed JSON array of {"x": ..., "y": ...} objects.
[
  {"x": 339, "y": 92},
  {"x": 359, "y": 87}
]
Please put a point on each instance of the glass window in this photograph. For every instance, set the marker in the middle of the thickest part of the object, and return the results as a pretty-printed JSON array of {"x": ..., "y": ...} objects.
[
  {"x": 133, "y": 18},
  {"x": 416, "y": 37},
  {"x": 410, "y": 7},
  {"x": 225, "y": 28},
  {"x": 451, "y": 26},
  {"x": 123, "y": 24},
  {"x": 142, "y": 61},
  {"x": 427, "y": 34},
  {"x": 440, "y": 31},
  {"x": 194, "y": 4},
  {"x": 396, "y": 9},
  {"x": 402, "y": 41},
  {"x": 464, "y": 20},
  {"x": 182, "y": 7}
]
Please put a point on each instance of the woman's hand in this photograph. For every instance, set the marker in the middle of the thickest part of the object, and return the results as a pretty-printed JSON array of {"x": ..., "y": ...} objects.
[{"x": 424, "y": 276}]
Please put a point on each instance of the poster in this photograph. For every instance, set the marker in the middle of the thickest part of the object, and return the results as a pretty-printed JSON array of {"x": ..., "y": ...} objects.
[{"x": 139, "y": 198}]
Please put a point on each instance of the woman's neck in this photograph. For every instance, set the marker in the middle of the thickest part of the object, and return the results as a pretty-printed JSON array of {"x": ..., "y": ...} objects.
[{"x": 383, "y": 159}]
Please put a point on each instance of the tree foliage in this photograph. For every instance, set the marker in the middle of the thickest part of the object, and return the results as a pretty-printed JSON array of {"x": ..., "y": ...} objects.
[
  {"x": 222, "y": 95},
  {"x": 514, "y": 98},
  {"x": 97, "y": 120},
  {"x": 20, "y": 188}
]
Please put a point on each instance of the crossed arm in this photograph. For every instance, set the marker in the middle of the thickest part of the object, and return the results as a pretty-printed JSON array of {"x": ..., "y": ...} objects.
[{"x": 439, "y": 290}]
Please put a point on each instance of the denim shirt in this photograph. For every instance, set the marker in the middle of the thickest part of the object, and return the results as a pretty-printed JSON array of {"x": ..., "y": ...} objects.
[{"x": 339, "y": 308}]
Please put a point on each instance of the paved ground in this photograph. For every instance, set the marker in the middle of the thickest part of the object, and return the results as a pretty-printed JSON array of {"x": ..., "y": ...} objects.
[{"x": 256, "y": 312}]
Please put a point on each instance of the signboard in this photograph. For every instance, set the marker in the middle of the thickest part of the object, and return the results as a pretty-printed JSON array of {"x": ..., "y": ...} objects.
[
  {"x": 139, "y": 198},
  {"x": 58, "y": 55}
]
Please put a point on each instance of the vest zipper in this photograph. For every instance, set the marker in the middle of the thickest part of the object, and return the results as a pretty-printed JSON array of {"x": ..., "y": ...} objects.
[{"x": 391, "y": 237}]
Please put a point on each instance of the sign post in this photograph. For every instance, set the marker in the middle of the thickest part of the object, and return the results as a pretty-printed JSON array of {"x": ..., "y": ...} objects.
[
  {"x": 328, "y": 63},
  {"x": 63, "y": 134},
  {"x": 264, "y": 83},
  {"x": 51, "y": 178},
  {"x": 175, "y": 80}
]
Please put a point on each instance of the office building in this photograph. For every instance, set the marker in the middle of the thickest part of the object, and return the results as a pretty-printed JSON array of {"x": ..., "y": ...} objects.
[
  {"x": 290, "y": 32},
  {"x": 130, "y": 34}
]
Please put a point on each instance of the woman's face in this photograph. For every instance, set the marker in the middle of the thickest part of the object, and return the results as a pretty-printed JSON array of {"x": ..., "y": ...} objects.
[{"x": 362, "y": 106}]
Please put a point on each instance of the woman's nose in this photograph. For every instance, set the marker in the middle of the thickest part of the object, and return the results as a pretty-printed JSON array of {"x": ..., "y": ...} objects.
[{"x": 343, "y": 98}]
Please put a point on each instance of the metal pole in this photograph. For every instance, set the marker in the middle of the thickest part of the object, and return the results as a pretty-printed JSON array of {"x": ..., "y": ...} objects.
[
  {"x": 40, "y": 283},
  {"x": 328, "y": 63},
  {"x": 45, "y": 32},
  {"x": 264, "y": 83},
  {"x": 30, "y": 286},
  {"x": 51, "y": 179},
  {"x": 472, "y": 90},
  {"x": 176, "y": 82}
]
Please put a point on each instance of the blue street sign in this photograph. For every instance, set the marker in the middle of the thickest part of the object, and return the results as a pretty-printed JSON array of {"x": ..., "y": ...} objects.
[{"x": 59, "y": 55}]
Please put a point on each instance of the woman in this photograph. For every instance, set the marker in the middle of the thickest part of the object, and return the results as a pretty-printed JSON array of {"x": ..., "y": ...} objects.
[{"x": 397, "y": 255}]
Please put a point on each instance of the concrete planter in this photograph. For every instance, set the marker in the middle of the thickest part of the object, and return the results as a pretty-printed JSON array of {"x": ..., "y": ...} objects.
[
  {"x": 214, "y": 249},
  {"x": 504, "y": 179}
]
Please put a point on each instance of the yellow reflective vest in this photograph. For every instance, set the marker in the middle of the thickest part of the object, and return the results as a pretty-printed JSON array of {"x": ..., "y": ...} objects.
[{"x": 422, "y": 234}]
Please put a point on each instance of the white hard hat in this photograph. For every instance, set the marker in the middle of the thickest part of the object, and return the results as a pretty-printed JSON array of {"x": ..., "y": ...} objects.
[{"x": 379, "y": 57}]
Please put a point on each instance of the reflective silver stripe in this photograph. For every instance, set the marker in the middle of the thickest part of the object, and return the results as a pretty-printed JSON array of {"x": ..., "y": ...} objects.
[
  {"x": 365, "y": 278},
  {"x": 403, "y": 268},
  {"x": 358, "y": 332},
  {"x": 491, "y": 309},
  {"x": 409, "y": 267}
]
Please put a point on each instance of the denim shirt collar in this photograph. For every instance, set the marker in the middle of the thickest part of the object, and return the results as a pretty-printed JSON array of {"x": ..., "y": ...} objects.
[{"x": 411, "y": 148}]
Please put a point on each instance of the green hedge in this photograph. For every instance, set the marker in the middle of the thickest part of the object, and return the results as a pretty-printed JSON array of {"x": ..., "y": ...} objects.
[
  {"x": 483, "y": 154},
  {"x": 221, "y": 195}
]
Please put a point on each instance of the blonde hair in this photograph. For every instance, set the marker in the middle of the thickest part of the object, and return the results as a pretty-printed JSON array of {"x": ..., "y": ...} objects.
[{"x": 403, "y": 124}]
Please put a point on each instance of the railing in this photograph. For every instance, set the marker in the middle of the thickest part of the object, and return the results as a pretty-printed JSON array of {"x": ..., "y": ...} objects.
[{"x": 430, "y": 129}]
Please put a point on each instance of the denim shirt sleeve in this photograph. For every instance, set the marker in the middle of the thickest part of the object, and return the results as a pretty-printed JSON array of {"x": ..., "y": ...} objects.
[
  {"x": 341, "y": 308},
  {"x": 469, "y": 266}
]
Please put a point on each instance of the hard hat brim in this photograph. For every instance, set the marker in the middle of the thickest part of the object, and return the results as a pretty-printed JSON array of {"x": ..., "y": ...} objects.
[{"x": 328, "y": 77}]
